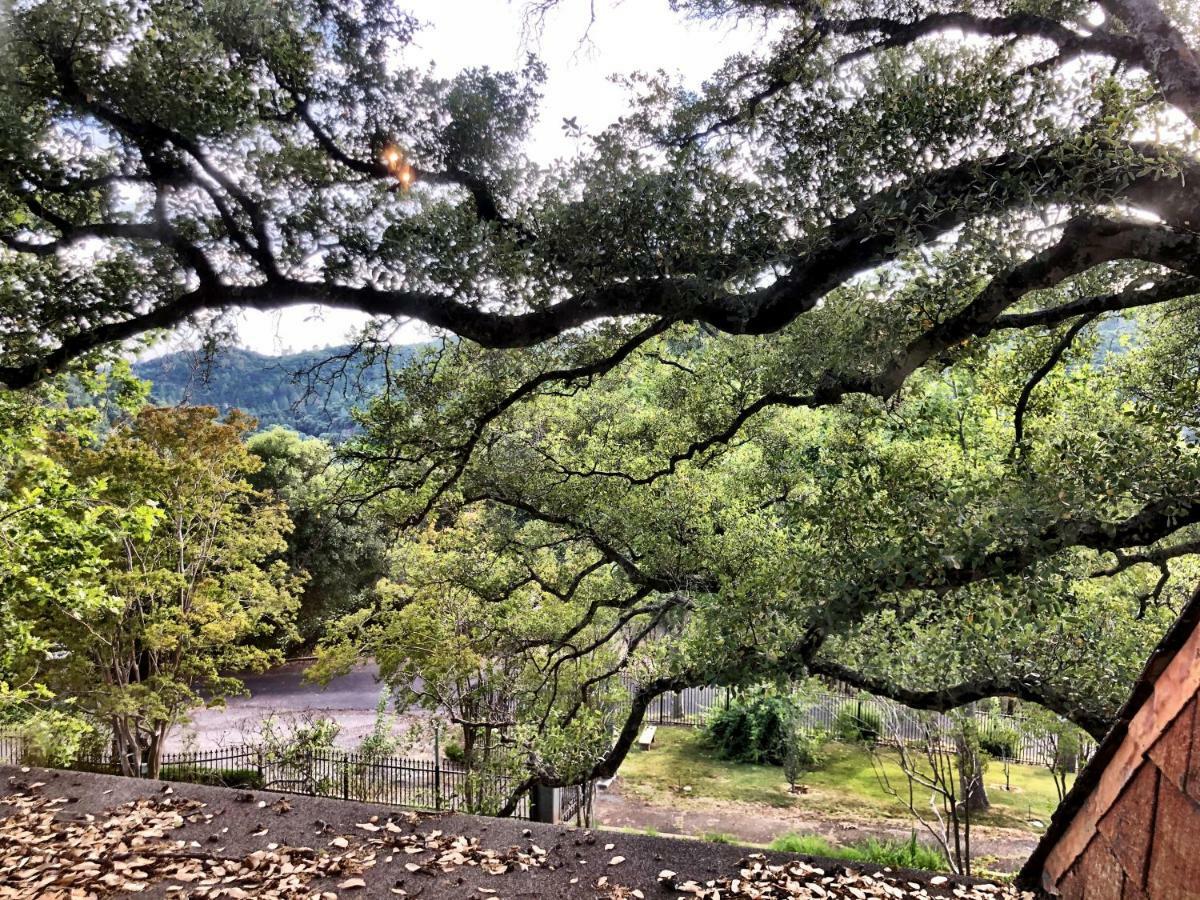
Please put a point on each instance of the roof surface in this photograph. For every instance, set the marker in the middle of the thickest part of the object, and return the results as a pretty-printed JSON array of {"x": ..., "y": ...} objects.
[{"x": 100, "y": 833}]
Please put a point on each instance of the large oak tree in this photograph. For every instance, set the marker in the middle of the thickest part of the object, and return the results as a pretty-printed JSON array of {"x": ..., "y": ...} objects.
[{"x": 885, "y": 198}]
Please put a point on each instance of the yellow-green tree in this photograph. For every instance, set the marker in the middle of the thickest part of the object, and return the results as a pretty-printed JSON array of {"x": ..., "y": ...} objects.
[{"x": 187, "y": 593}]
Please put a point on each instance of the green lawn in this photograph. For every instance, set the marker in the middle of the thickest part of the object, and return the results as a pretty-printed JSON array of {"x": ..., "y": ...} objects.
[{"x": 680, "y": 765}]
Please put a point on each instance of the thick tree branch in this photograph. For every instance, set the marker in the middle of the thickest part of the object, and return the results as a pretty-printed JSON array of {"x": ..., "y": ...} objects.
[
  {"x": 1070, "y": 43},
  {"x": 870, "y": 236},
  {"x": 958, "y": 695},
  {"x": 1174, "y": 64},
  {"x": 1159, "y": 292}
]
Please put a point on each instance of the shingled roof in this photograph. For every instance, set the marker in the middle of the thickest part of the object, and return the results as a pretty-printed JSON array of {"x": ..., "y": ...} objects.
[
  {"x": 1128, "y": 826},
  {"x": 66, "y": 834}
]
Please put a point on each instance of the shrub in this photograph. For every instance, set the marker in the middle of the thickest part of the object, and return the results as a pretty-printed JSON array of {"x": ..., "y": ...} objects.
[
  {"x": 857, "y": 721},
  {"x": 910, "y": 854},
  {"x": 999, "y": 741},
  {"x": 719, "y": 837},
  {"x": 454, "y": 752},
  {"x": 802, "y": 750},
  {"x": 233, "y": 778},
  {"x": 753, "y": 728},
  {"x": 57, "y": 739}
]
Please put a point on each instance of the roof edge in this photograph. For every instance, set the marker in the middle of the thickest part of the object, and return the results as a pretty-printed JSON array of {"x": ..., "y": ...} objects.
[{"x": 1176, "y": 637}]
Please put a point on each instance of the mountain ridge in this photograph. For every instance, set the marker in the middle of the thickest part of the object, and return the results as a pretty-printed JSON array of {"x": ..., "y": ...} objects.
[{"x": 310, "y": 391}]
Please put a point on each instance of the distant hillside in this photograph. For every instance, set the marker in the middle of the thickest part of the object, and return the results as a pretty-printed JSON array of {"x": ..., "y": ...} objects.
[{"x": 271, "y": 388}]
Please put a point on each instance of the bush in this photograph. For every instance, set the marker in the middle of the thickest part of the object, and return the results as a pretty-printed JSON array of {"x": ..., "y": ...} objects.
[
  {"x": 802, "y": 752},
  {"x": 753, "y": 728},
  {"x": 57, "y": 739},
  {"x": 454, "y": 752},
  {"x": 910, "y": 854},
  {"x": 858, "y": 721},
  {"x": 999, "y": 741},
  {"x": 232, "y": 778}
]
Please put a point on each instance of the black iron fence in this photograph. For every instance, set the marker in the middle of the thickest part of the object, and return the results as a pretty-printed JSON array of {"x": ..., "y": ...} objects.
[{"x": 425, "y": 784}]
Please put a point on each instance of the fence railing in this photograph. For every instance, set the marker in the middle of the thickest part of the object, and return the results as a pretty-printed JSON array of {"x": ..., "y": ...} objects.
[
  {"x": 423, "y": 784},
  {"x": 691, "y": 707}
]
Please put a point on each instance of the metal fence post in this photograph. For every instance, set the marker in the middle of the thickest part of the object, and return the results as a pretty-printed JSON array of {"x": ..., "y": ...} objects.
[
  {"x": 544, "y": 804},
  {"x": 345, "y": 778},
  {"x": 437, "y": 766}
]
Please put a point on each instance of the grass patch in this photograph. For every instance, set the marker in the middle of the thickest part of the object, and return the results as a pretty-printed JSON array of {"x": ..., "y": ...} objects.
[
  {"x": 681, "y": 765},
  {"x": 680, "y": 761},
  {"x": 910, "y": 854},
  {"x": 718, "y": 837}
]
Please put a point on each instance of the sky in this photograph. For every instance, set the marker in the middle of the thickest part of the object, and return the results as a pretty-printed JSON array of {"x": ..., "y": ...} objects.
[{"x": 625, "y": 37}]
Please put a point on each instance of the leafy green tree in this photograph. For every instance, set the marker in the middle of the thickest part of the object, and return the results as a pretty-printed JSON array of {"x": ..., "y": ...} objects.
[
  {"x": 809, "y": 350},
  {"x": 182, "y": 589},
  {"x": 341, "y": 550},
  {"x": 914, "y": 548},
  {"x": 867, "y": 137},
  {"x": 52, "y": 529},
  {"x": 464, "y": 632}
]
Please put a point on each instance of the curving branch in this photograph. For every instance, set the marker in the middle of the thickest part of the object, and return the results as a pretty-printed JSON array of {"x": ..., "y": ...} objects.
[
  {"x": 1069, "y": 42},
  {"x": 1174, "y": 64},
  {"x": 954, "y": 696},
  {"x": 1056, "y": 353},
  {"x": 1156, "y": 557},
  {"x": 919, "y": 210},
  {"x": 1087, "y": 241}
]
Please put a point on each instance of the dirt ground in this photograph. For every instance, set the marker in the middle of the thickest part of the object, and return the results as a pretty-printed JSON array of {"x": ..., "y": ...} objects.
[{"x": 1004, "y": 849}]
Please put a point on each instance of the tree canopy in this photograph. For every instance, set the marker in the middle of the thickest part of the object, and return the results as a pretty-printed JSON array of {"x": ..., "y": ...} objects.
[
  {"x": 166, "y": 160},
  {"x": 135, "y": 577},
  {"x": 916, "y": 547}
]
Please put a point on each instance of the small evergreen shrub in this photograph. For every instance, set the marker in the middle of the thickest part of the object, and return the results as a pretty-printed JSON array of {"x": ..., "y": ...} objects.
[
  {"x": 857, "y": 722},
  {"x": 803, "y": 751},
  {"x": 1000, "y": 741},
  {"x": 753, "y": 728},
  {"x": 454, "y": 752}
]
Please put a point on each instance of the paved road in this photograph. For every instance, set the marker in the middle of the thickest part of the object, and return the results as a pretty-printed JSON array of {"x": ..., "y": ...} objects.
[
  {"x": 350, "y": 700},
  {"x": 286, "y": 689}
]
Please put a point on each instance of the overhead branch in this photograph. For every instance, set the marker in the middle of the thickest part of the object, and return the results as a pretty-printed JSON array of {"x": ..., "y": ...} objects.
[
  {"x": 919, "y": 210},
  {"x": 1153, "y": 557},
  {"x": 1133, "y": 298},
  {"x": 1069, "y": 42},
  {"x": 1174, "y": 64},
  {"x": 1086, "y": 242},
  {"x": 958, "y": 695}
]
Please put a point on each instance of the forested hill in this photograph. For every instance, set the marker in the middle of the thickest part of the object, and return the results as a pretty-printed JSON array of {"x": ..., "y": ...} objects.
[{"x": 275, "y": 389}]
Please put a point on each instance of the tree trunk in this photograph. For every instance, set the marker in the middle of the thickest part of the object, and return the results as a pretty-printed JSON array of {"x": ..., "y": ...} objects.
[
  {"x": 970, "y": 768},
  {"x": 974, "y": 791}
]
